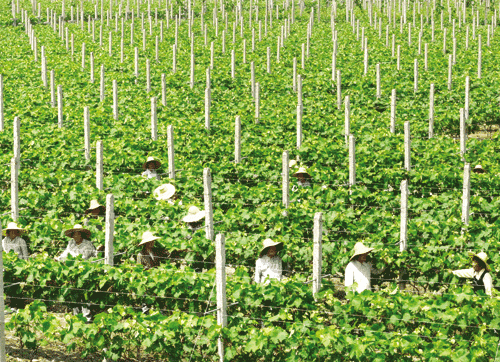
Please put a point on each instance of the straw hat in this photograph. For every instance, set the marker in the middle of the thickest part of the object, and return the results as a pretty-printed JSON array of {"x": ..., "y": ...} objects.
[
  {"x": 479, "y": 169},
  {"x": 359, "y": 249},
  {"x": 95, "y": 205},
  {"x": 148, "y": 236},
  {"x": 482, "y": 256},
  {"x": 164, "y": 192},
  {"x": 84, "y": 232},
  {"x": 149, "y": 160},
  {"x": 13, "y": 226},
  {"x": 267, "y": 243},
  {"x": 194, "y": 214},
  {"x": 301, "y": 171}
]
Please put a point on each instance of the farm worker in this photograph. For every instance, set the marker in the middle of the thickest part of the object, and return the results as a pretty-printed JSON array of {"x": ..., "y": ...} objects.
[
  {"x": 478, "y": 169},
  {"x": 479, "y": 273},
  {"x": 194, "y": 219},
  {"x": 303, "y": 179},
  {"x": 95, "y": 211},
  {"x": 269, "y": 264},
  {"x": 79, "y": 244},
  {"x": 359, "y": 270},
  {"x": 149, "y": 256},
  {"x": 150, "y": 167},
  {"x": 166, "y": 192},
  {"x": 13, "y": 241}
]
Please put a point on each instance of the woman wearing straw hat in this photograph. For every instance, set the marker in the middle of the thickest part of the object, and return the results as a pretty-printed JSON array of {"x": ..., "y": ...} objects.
[
  {"x": 194, "y": 219},
  {"x": 150, "y": 167},
  {"x": 79, "y": 244},
  {"x": 479, "y": 273},
  {"x": 303, "y": 178},
  {"x": 149, "y": 256},
  {"x": 166, "y": 192},
  {"x": 269, "y": 264},
  {"x": 359, "y": 270},
  {"x": 13, "y": 241},
  {"x": 95, "y": 211}
]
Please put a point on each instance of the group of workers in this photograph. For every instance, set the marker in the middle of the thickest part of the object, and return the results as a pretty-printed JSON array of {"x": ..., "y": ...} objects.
[{"x": 268, "y": 265}]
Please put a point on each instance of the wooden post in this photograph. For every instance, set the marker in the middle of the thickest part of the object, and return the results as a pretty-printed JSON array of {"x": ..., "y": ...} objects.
[
  {"x": 14, "y": 187},
  {"x": 352, "y": 160},
  {"x": 220, "y": 267},
  {"x": 207, "y": 108},
  {"x": 99, "y": 166},
  {"x": 407, "y": 147},
  {"x": 163, "y": 90},
  {"x": 393, "y": 112},
  {"x": 286, "y": 182},
  {"x": 17, "y": 138},
  {"x": 299, "y": 126},
  {"x": 403, "y": 227},
  {"x": 466, "y": 195},
  {"x": 44, "y": 69},
  {"x": 339, "y": 90},
  {"x": 257, "y": 102},
  {"x": 479, "y": 55},
  {"x": 463, "y": 133},
  {"x": 59, "y": 106},
  {"x": 102, "y": 84},
  {"x": 317, "y": 252},
  {"x": 431, "y": 112},
  {"x": 2, "y": 308},
  {"x": 154, "y": 120},
  {"x": 209, "y": 217},
  {"x": 115, "y": 100},
  {"x": 347, "y": 123},
  {"x": 171, "y": 154},
  {"x": 237, "y": 140},
  {"x": 86, "y": 128},
  {"x": 109, "y": 230}
]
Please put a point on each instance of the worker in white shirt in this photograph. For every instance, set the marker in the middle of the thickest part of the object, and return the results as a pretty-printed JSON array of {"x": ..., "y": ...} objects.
[
  {"x": 150, "y": 167},
  {"x": 359, "y": 270},
  {"x": 479, "y": 273},
  {"x": 269, "y": 264},
  {"x": 14, "y": 241},
  {"x": 303, "y": 178}
]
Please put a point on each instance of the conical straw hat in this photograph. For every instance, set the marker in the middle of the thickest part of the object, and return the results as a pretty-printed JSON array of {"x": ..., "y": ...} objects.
[
  {"x": 194, "y": 214},
  {"x": 479, "y": 169},
  {"x": 151, "y": 159},
  {"x": 148, "y": 236},
  {"x": 94, "y": 205},
  {"x": 164, "y": 192},
  {"x": 267, "y": 243},
  {"x": 483, "y": 256},
  {"x": 359, "y": 249},
  {"x": 85, "y": 232},
  {"x": 301, "y": 171},
  {"x": 13, "y": 226}
]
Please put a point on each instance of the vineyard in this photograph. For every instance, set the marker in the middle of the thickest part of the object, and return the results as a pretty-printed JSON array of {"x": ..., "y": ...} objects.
[{"x": 389, "y": 105}]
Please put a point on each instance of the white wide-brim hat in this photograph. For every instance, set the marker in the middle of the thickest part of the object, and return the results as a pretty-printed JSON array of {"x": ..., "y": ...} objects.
[
  {"x": 479, "y": 169},
  {"x": 148, "y": 236},
  {"x": 301, "y": 171},
  {"x": 194, "y": 214},
  {"x": 267, "y": 243},
  {"x": 95, "y": 205},
  {"x": 85, "y": 232},
  {"x": 360, "y": 248},
  {"x": 151, "y": 160},
  {"x": 483, "y": 256},
  {"x": 164, "y": 192},
  {"x": 13, "y": 226}
]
